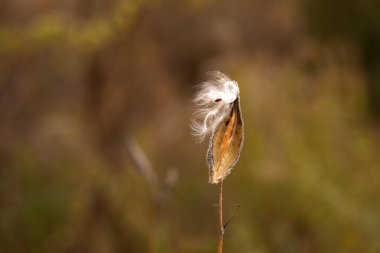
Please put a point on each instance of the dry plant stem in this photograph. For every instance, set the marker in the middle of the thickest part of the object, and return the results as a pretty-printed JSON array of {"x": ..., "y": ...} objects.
[{"x": 221, "y": 225}]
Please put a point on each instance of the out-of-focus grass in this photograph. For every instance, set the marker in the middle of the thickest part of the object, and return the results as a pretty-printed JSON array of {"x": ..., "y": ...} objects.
[{"x": 311, "y": 156}]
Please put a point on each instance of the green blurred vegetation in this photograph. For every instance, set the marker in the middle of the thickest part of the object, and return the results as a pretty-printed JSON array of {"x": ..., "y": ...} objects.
[{"x": 96, "y": 153}]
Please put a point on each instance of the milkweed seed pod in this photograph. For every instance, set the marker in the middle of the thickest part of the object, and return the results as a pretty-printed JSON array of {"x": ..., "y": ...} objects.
[{"x": 218, "y": 115}]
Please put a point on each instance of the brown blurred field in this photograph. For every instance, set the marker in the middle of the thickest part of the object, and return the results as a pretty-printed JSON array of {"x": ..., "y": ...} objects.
[{"x": 96, "y": 153}]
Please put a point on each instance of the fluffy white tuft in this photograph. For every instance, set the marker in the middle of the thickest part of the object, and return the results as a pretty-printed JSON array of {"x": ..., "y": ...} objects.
[{"x": 213, "y": 101}]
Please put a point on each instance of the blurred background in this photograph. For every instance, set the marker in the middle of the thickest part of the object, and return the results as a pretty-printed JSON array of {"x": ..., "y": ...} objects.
[{"x": 96, "y": 153}]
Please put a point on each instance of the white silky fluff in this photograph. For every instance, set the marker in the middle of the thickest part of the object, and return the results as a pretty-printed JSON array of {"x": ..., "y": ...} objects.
[{"x": 213, "y": 101}]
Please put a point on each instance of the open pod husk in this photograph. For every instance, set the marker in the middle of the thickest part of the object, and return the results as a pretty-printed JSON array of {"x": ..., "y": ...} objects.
[{"x": 226, "y": 144}]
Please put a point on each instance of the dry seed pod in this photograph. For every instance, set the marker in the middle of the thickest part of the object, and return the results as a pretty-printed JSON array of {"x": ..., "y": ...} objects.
[{"x": 219, "y": 115}]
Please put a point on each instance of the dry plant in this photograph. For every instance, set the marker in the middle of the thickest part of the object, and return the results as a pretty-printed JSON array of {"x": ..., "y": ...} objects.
[
  {"x": 218, "y": 115},
  {"x": 160, "y": 190}
]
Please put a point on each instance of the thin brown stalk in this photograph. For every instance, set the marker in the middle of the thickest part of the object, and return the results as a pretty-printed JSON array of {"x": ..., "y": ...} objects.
[{"x": 221, "y": 225}]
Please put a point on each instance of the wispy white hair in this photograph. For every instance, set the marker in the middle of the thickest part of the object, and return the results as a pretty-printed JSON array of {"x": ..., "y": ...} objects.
[{"x": 213, "y": 101}]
